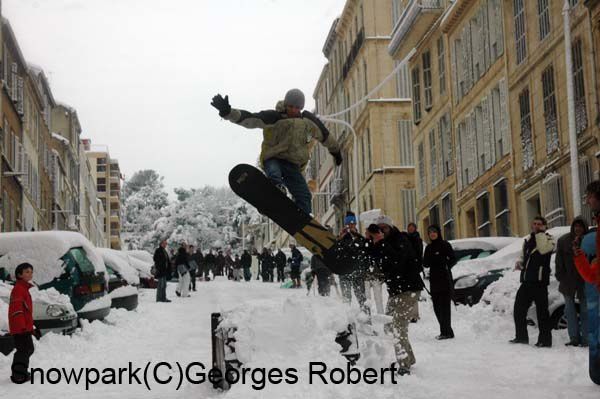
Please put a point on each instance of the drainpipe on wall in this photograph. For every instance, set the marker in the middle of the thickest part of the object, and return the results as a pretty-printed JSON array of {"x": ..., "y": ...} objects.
[{"x": 575, "y": 185}]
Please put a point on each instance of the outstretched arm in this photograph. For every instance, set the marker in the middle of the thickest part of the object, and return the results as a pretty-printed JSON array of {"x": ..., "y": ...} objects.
[
  {"x": 320, "y": 132},
  {"x": 258, "y": 120}
]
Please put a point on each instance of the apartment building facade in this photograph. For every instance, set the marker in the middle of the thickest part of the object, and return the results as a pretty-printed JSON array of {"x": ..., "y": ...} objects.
[
  {"x": 107, "y": 175},
  {"x": 378, "y": 168}
]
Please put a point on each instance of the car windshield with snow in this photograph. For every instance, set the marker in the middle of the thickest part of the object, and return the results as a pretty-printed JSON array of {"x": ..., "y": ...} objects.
[
  {"x": 123, "y": 279},
  {"x": 65, "y": 261}
]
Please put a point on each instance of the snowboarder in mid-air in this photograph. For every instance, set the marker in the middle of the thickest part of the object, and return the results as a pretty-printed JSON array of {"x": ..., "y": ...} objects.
[{"x": 287, "y": 136}]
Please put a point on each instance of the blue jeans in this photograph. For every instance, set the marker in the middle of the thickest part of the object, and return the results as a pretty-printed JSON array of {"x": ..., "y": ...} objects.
[
  {"x": 161, "y": 290},
  {"x": 593, "y": 302},
  {"x": 290, "y": 175},
  {"x": 577, "y": 332}
]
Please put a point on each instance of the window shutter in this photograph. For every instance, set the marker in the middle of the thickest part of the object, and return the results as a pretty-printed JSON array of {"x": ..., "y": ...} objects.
[
  {"x": 20, "y": 95},
  {"x": 14, "y": 83},
  {"x": 504, "y": 118},
  {"x": 488, "y": 137},
  {"x": 459, "y": 160}
]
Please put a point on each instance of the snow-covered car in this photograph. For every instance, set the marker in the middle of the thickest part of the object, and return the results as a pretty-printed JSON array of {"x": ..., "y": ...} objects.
[
  {"x": 123, "y": 279},
  {"x": 500, "y": 294},
  {"x": 52, "y": 312},
  {"x": 142, "y": 261},
  {"x": 63, "y": 260},
  {"x": 6, "y": 340},
  {"x": 479, "y": 247}
]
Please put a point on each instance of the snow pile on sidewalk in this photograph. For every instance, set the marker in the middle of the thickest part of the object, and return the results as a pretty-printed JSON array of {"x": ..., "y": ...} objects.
[
  {"x": 44, "y": 250},
  {"x": 50, "y": 296}
]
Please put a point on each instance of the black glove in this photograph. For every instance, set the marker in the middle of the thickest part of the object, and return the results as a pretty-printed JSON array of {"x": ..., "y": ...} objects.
[
  {"x": 37, "y": 334},
  {"x": 338, "y": 157},
  {"x": 222, "y": 104}
]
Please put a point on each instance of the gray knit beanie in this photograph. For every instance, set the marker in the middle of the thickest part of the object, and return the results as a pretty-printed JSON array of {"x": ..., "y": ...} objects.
[{"x": 294, "y": 97}]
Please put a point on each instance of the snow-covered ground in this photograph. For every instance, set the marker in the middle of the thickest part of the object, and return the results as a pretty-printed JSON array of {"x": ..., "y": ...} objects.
[{"x": 285, "y": 328}]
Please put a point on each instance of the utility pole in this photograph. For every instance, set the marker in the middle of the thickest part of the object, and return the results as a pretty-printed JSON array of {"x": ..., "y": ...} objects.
[{"x": 575, "y": 185}]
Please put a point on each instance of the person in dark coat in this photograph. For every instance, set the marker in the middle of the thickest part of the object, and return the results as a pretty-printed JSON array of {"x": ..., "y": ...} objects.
[
  {"x": 280, "y": 261},
  {"x": 323, "y": 275},
  {"x": 220, "y": 264},
  {"x": 195, "y": 258},
  {"x": 183, "y": 271},
  {"x": 534, "y": 265},
  {"x": 246, "y": 263},
  {"x": 571, "y": 284},
  {"x": 417, "y": 244},
  {"x": 354, "y": 281},
  {"x": 439, "y": 258},
  {"x": 162, "y": 263},
  {"x": 20, "y": 323},
  {"x": 237, "y": 268},
  {"x": 295, "y": 264},
  {"x": 210, "y": 262},
  {"x": 267, "y": 264},
  {"x": 394, "y": 258}
]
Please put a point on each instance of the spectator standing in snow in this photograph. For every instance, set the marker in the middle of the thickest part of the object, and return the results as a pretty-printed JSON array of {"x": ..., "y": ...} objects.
[
  {"x": 162, "y": 263},
  {"x": 209, "y": 265},
  {"x": 246, "y": 263},
  {"x": 354, "y": 281},
  {"x": 237, "y": 268},
  {"x": 590, "y": 272},
  {"x": 183, "y": 270},
  {"x": 534, "y": 265},
  {"x": 267, "y": 265},
  {"x": 323, "y": 275},
  {"x": 403, "y": 282},
  {"x": 20, "y": 321},
  {"x": 417, "y": 245},
  {"x": 295, "y": 263},
  {"x": 439, "y": 258},
  {"x": 220, "y": 260},
  {"x": 280, "y": 262},
  {"x": 193, "y": 262},
  {"x": 571, "y": 284}
]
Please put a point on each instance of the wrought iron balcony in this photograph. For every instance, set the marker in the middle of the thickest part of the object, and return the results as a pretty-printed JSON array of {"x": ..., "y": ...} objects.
[
  {"x": 414, "y": 23},
  {"x": 360, "y": 38}
]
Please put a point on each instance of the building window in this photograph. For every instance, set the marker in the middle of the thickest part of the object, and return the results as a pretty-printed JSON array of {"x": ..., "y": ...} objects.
[
  {"x": 520, "y": 33},
  {"x": 544, "y": 18},
  {"x": 550, "y": 114},
  {"x": 416, "y": 96},
  {"x": 403, "y": 81},
  {"x": 502, "y": 210},
  {"x": 427, "y": 80},
  {"x": 578, "y": 80},
  {"x": 433, "y": 159},
  {"x": 445, "y": 140},
  {"x": 422, "y": 178},
  {"x": 441, "y": 52},
  {"x": 554, "y": 204},
  {"x": 409, "y": 205},
  {"x": 405, "y": 139},
  {"x": 448, "y": 217},
  {"x": 434, "y": 215},
  {"x": 483, "y": 213},
  {"x": 526, "y": 136}
]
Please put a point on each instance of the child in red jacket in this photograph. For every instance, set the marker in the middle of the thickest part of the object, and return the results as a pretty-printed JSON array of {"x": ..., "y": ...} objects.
[{"x": 20, "y": 321}]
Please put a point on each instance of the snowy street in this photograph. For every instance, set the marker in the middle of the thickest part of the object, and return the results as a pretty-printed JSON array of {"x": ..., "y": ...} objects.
[{"x": 285, "y": 328}]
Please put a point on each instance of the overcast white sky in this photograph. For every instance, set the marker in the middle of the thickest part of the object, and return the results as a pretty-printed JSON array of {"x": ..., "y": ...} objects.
[{"x": 141, "y": 73}]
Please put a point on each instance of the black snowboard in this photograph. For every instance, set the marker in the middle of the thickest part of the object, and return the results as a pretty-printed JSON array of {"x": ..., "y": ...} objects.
[{"x": 253, "y": 186}]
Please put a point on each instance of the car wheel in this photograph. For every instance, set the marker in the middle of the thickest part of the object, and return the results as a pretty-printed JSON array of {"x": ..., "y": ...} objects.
[{"x": 558, "y": 320}]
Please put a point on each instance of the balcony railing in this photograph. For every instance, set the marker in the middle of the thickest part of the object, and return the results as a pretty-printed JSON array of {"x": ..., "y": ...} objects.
[
  {"x": 404, "y": 27},
  {"x": 360, "y": 38}
]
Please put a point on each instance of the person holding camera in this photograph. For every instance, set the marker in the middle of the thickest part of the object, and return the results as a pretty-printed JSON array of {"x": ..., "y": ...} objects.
[
  {"x": 534, "y": 265},
  {"x": 354, "y": 281}
]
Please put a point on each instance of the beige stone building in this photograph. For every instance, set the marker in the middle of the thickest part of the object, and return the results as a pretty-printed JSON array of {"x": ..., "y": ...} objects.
[
  {"x": 538, "y": 107},
  {"x": 492, "y": 146},
  {"x": 92, "y": 211},
  {"x": 376, "y": 136},
  {"x": 107, "y": 175}
]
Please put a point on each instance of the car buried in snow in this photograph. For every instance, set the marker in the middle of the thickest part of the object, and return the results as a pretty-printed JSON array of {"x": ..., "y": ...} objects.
[
  {"x": 63, "y": 260},
  {"x": 123, "y": 279},
  {"x": 142, "y": 261}
]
